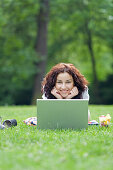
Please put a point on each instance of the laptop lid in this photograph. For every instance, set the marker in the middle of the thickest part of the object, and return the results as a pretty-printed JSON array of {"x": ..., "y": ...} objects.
[{"x": 62, "y": 113}]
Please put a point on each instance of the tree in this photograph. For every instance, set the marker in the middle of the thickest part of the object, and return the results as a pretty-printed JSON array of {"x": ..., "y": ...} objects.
[
  {"x": 79, "y": 32},
  {"x": 41, "y": 47},
  {"x": 81, "y": 38},
  {"x": 17, "y": 55}
]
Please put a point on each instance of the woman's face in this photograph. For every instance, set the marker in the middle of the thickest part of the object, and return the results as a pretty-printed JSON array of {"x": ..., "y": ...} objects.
[{"x": 64, "y": 83}]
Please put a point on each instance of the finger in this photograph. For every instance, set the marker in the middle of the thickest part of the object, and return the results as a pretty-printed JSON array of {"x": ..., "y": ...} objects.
[
  {"x": 76, "y": 89},
  {"x": 57, "y": 92},
  {"x": 77, "y": 92}
]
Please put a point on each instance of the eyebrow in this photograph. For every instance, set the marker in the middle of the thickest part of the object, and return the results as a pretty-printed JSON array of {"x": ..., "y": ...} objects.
[{"x": 66, "y": 80}]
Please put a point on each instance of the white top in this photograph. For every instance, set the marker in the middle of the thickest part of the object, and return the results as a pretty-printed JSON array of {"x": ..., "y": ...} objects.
[{"x": 85, "y": 94}]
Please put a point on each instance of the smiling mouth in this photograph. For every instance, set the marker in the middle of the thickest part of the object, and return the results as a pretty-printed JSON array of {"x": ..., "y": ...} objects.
[{"x": 64, "y": 91}]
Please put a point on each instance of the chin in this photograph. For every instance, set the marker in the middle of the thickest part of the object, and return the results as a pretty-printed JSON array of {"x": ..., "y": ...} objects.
[{"x": 64, "y": 95}]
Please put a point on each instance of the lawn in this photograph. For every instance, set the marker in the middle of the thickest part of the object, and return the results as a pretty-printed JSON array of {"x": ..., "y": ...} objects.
[{"x": 26, "y": 148}]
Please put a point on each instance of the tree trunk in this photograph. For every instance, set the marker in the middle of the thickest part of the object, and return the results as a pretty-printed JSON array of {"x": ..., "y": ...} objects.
[
  {"x": 41, "y": 48},
  {"x": 90, "y": 47}
]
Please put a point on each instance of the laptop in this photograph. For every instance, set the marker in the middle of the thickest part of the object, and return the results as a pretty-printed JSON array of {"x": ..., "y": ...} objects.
[{"x": 62, "y": 113}]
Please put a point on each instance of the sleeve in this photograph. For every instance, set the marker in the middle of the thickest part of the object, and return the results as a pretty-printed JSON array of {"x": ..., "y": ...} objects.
[
  {"x": 44, "y": 97},
  {"x": 85, "y": 94}
]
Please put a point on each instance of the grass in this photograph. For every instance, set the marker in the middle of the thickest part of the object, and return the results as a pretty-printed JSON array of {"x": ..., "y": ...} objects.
[{"x": 26, "y": 148}]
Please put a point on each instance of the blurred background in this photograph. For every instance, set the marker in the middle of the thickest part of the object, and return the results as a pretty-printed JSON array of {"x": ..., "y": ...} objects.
[{"x": 35, "y": 35}]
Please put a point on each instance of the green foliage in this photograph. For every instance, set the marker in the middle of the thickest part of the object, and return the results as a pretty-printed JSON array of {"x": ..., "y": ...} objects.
[
  {"x": 72, "y": 22},
  {"x": 105, "y": 92},
  {"x": 69, "y": 22},
  {"x": 69, "y": 35},
  {"x": 17, "y": 54}
]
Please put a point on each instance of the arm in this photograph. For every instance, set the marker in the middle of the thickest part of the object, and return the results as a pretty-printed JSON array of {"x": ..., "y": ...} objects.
[
  {"x": 44, "y": 97},
  {"x": 73, "y": 92},
  {"x": 85, "y": 94},
  {"x": 55, "y": 93}
]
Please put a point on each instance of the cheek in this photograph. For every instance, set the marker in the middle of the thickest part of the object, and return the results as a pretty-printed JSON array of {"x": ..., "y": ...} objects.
[
  {"x": 57, "y": 86},
  {"x": 70, "y": 86}
]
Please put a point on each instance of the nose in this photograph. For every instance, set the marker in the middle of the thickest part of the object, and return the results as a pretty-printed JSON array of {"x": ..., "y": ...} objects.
[{"x": 63, "y": 86}]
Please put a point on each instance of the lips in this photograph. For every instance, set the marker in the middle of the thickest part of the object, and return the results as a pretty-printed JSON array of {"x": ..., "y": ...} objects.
[{"x": 64, "y": 91}]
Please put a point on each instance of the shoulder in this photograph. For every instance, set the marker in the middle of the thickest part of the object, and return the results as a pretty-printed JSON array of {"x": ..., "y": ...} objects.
[
  {"x": 85, "y": 94},
  {"x": 44, "y": 97}
]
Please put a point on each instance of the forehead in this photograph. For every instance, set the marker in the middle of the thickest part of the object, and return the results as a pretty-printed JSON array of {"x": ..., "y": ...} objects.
[{"x": 64, "y": 75}]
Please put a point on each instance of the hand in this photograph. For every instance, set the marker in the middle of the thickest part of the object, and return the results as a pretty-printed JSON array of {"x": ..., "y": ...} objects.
[
  {"x": 73, "y": 92},
  {"x": 56, "y": 93}
]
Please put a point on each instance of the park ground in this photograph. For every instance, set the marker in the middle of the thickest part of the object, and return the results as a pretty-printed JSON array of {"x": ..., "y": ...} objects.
[{"x": 26, "y": 148}]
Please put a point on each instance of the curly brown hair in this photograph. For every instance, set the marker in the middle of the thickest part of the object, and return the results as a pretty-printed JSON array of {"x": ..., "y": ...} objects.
[{"x": 50, "y": 79}]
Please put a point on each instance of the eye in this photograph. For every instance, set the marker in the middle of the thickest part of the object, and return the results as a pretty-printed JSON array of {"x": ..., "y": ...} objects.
[
  {"x": 68, "y": 82},
  {"x": 59, "y": 82}
]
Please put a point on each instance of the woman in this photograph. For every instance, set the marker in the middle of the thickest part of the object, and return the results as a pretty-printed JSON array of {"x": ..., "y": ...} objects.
[{"x": 64, "y": 81}]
